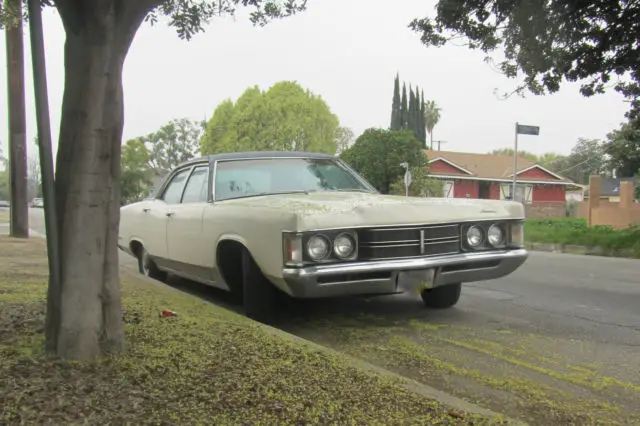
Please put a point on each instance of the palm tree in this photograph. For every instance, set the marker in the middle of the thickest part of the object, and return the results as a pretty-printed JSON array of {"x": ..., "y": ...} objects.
[{"x": 431, "y": 118}]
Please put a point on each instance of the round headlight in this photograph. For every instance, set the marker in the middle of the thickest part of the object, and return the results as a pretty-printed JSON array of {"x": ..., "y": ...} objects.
[
  {"x": 474, "y": 236},
  {"x": 495, "y": 235},
  {"x": 344, "y": 246},
  {"x": 318, "y": 247}
]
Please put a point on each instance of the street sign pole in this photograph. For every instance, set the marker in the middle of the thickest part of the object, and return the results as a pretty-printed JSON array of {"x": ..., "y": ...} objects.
[{"x": 523, "y": 130}]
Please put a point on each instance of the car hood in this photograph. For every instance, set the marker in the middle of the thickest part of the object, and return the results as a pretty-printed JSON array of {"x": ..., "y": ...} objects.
[{"x": 343, "y": 209}]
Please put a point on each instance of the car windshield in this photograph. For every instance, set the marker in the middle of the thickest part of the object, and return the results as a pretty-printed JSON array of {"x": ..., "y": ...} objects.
[{"x": 268, "y": 176}]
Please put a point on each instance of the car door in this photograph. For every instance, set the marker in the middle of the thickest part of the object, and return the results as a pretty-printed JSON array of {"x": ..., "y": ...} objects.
[
  {"x": 156, "y": 215},
  {"x": 184, "y": 225}
]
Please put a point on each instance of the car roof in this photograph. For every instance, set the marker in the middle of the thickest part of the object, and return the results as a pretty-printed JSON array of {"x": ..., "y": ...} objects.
[{"x": 258, "y": 155}]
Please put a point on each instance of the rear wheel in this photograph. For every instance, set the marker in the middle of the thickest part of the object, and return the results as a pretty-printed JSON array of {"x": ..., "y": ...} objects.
[
  {"x": 148, "y": 267},
  {"x": 259, "y": 296},
  {"x": 442, "y": 297}
]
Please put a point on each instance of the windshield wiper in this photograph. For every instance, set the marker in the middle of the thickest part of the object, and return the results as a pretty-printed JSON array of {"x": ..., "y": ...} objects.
[
  {"x": 351, "y": 190},
  {"x": 259, "y": 194}
]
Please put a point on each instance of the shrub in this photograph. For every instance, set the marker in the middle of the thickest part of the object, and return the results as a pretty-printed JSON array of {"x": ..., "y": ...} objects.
[{"x": 575, "y": 231}]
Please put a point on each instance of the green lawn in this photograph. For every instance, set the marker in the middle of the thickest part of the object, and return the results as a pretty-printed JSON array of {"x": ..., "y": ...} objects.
[
  {"x": 205, "y": 366},
  {"x": 574, "y": 231},
  {"x": 4, "y": 215}
]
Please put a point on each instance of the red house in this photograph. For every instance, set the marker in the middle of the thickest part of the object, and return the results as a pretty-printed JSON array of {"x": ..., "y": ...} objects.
[{"x": 490, "y": 176}]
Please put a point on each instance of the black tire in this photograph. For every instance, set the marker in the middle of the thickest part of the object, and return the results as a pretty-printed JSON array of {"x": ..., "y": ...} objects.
[
  {"x": 442, "y": 297},
  {"x": 148, "y": 267},
  {"x": 259, "y": 296}
]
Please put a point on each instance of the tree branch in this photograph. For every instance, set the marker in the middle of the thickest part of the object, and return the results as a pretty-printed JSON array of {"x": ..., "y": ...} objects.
[{"x": 129, "y": 15}]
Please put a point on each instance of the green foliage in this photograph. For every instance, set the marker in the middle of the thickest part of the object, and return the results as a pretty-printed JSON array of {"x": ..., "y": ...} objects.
[
  {"x": 378, "y": 153},
  {"x": 396, "y": 112},
  {"x": 136, "y": 175},
  {"x": 408, "y": 113},
  {"x": 4, "y": 185},
  {"x": 344, "y": 137},
  {"x": 421, "y": 184},
  {"x": 623, "y": 149},
  {"x": 548, "y": 41},
  {"x": 174, "y": 143},
  {"x": 572, "y": 231},
  {"x": 586, "y": 158},
  {"x": 4, "y": 177},
  {"x": 286, "y": 117}
]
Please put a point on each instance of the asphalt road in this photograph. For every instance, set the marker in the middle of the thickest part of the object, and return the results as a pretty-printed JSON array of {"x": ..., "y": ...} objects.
[{"x": 560, "y": 335}]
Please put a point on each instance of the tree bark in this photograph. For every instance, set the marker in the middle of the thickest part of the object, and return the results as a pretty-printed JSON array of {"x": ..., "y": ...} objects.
[{"x": 85, "y": 317}]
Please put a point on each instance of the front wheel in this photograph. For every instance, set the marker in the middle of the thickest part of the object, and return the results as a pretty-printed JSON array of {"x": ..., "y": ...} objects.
[
  {"x": 442, "y": 297},
  {"x": 259, "y": 296}
]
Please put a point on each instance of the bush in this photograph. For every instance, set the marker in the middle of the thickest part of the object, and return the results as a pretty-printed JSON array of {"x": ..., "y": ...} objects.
[{"x": 574, "y": 231}]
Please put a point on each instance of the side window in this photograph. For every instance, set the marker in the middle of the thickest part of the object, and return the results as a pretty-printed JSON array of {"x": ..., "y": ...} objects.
[
  {"x": 173, "y": 191},
  {"x": 196, "y": 189}
]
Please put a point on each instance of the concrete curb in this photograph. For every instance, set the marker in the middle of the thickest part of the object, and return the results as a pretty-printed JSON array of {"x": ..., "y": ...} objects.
[{"x": 576, "y": 249}]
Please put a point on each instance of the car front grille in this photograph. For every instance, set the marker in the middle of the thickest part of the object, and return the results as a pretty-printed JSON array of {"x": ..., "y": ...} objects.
[{"x": 408, "y": 241}]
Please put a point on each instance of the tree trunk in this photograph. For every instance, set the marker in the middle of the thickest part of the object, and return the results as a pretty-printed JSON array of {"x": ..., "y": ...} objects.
[{"x": 84, "y": 318}]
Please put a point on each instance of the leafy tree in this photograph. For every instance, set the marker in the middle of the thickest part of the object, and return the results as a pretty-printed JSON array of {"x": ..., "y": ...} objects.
[
  {"x": 431, "y": 113},
  {"x": 284, "y": 118},
  {"x": 378, "y": 153},
  {"x": 4, "y": 177},
  {"x": 344, "y": 137},
  {"x": 421, "y": 184},
  {"x": 174, "y": 143},
  {"x": 586, "y": 159},
  {"x": 136, "y": 177},
  {"x": 548, "y": 41},
  {"x": 550, "y": 160},
  {"x": 623, "y": 149},
  {"x": 98, "y": 36},
  {"x": 34, "y": 177},
  {"x": 509, "y": 151}
]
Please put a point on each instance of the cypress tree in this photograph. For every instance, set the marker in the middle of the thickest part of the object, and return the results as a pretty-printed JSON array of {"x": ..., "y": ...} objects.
[
  {"x": 411, "y": 113},
  {"x": 416, "y": 114},
  {"x": 404, "y": 108},
  {"x": 423, "y": 121},
  {"x": 419, "y": 118},
  {"x": 396, "y": 115}
]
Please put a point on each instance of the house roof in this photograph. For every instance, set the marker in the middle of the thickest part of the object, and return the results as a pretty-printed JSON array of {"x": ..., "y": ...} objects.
[
  {"x": 610, "y": 187},
  {"x": 490, "y": 166}
]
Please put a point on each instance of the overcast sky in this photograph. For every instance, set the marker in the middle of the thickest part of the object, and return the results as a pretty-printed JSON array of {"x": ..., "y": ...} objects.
[{"x": 346, "y": 51}]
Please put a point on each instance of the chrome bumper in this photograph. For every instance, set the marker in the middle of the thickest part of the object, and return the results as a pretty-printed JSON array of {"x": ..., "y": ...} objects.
[{"x": 381, "y": 277}]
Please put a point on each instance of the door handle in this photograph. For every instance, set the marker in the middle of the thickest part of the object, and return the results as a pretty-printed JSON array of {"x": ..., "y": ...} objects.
[
  {"x": 146, "y": 210},
  {"x": 170, "y": 214}
]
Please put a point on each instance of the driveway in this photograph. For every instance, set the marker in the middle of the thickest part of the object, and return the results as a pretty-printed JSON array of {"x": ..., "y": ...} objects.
[{"x": 557, "y": 342}]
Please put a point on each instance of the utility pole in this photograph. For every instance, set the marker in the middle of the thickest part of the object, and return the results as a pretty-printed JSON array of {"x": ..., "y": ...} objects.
[
  {"x": 439, "y": 143},
  {"x": 19, "y": 227}
]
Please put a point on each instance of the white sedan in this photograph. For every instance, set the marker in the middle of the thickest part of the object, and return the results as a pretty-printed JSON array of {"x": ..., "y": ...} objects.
[{"x": 263, "y": 223}]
